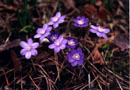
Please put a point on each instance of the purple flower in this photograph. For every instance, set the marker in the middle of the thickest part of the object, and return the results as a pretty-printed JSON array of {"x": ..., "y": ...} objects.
[
  {"x": 101, "y": 32},
  {"x": 59, "y": 44},
  {"x": 43, "y": 32},
  {"x": 72, "y": 43},
  {"x": 29, "y": 48},
  {"x": 76, "y": 57},
  {"x": 53, "y": 36},
  {"x": 81, "y": 21},
  {"x": 56, "y": 20}
]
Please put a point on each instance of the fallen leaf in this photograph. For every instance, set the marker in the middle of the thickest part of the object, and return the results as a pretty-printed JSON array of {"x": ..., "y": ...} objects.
[
  {"x": 99, "y": 3},
  {"x": 16, "y": 61},
  {"x": 9, "y": 45},
  {"x": 103, "y": 13},
  {"x": 69, "y": 3},
  {"x": 122, "y": 41},
  {"x": 89, "y": 10},
  {"x": 98, "y": 59}
]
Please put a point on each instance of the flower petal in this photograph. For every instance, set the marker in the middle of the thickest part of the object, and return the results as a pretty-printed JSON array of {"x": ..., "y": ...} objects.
[
  {"x": 70, "y": 59},
  {"x": 51, "y": 46},
  {"x": 51, "y": 23},
  {"x": 106, "y": 30},
  {"x": 93, "y": 31},
  {"x": 49, "y": 29},
  {"x": 60, "y": 38},
  {"x": 63, "y": 46},
  {"x": 35, "y": 45},
  {"x": 23, "y": 44},
  {"x": 23, "y": 52},
  {"x": 61, "y": 20},
  {"x": 34, "y": 52},
  {"x": 93, "y": 27},
  {"x": 99, "y": 34},
  {"x": 39, "y": 30},
  {"x": 105, "y": 36},
  {"x": 55, "y": 25},
  {"x": 80, "y": 62},
  {"x": 30, "y": 41},
  {"x": 37, "y": 36},
  {"x": 79, "y": 50},
  {"x": 42, "y": 37},
  {"x": 57, "y": 49},
  {"x": 64, "y": 41},
  {"x": 74, "y": 63},
  {"x": 28, "y": 55},
  {"x": 45, "y": 26},
  {"x": 58, "y": 14}
]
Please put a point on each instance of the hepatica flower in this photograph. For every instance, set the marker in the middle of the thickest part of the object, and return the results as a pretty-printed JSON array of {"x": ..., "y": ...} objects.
[
  {"x": 29, "y": 48},
  {"x": 76, "y": 57},
  {"x": 101, "y": 32},
  {"x": 59, "y": 44},
  {"x": 72, "y": 43},
  {"x": 43, "y": 32},
  {"x": 53, "y": 36},
  {"x": 81, "y": 21},
  {"x": 56, "y": 20}
]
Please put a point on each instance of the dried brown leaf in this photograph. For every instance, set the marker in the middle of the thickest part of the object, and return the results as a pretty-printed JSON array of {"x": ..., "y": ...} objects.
[
  {"x": 99, "y": 3},
  {"x": 69, "y": 3},
  {"x": 103, "y": 13},
  {"x": 98, "y": 59},
  {"x": 16, "y": 61},
  {"x": 9, "y": 45},
  {"x": 89, "y": 10},
  {"x": 122, "y": 41}
]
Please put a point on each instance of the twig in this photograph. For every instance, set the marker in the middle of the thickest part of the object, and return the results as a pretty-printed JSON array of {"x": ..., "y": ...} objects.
[
  {"x": 97, "y": 69},
  {"x": 97, "y": 81},
  {"x": 89, "y": 83},
  {"x": 7, "y": 82},
  {"x": 89, "y": 80},
  {"x": 21, "y": 83},
  {"x": 119, "y": 84},
  {"x": 33, "y": 82},
  {"x": 117, "y": 76}
]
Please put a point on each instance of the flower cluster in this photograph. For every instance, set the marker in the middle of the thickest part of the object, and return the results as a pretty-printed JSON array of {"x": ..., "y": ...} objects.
[{"x": 57, "y": 42}]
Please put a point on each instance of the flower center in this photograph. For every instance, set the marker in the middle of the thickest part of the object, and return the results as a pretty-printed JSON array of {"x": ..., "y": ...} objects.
[
  {"x": 58, "y": 44},
  {"x": 43, "y": 31},
  {"x": 28, "y": 48},
  {"x": 76, "y": 56},
  {"x": 71, "y": 42},
  {"x": 100, "y": 29},
  {"x": 55, "y": 19},
  {"x": 53, "y": 38},
  {"x": 80, "y": 22}
]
